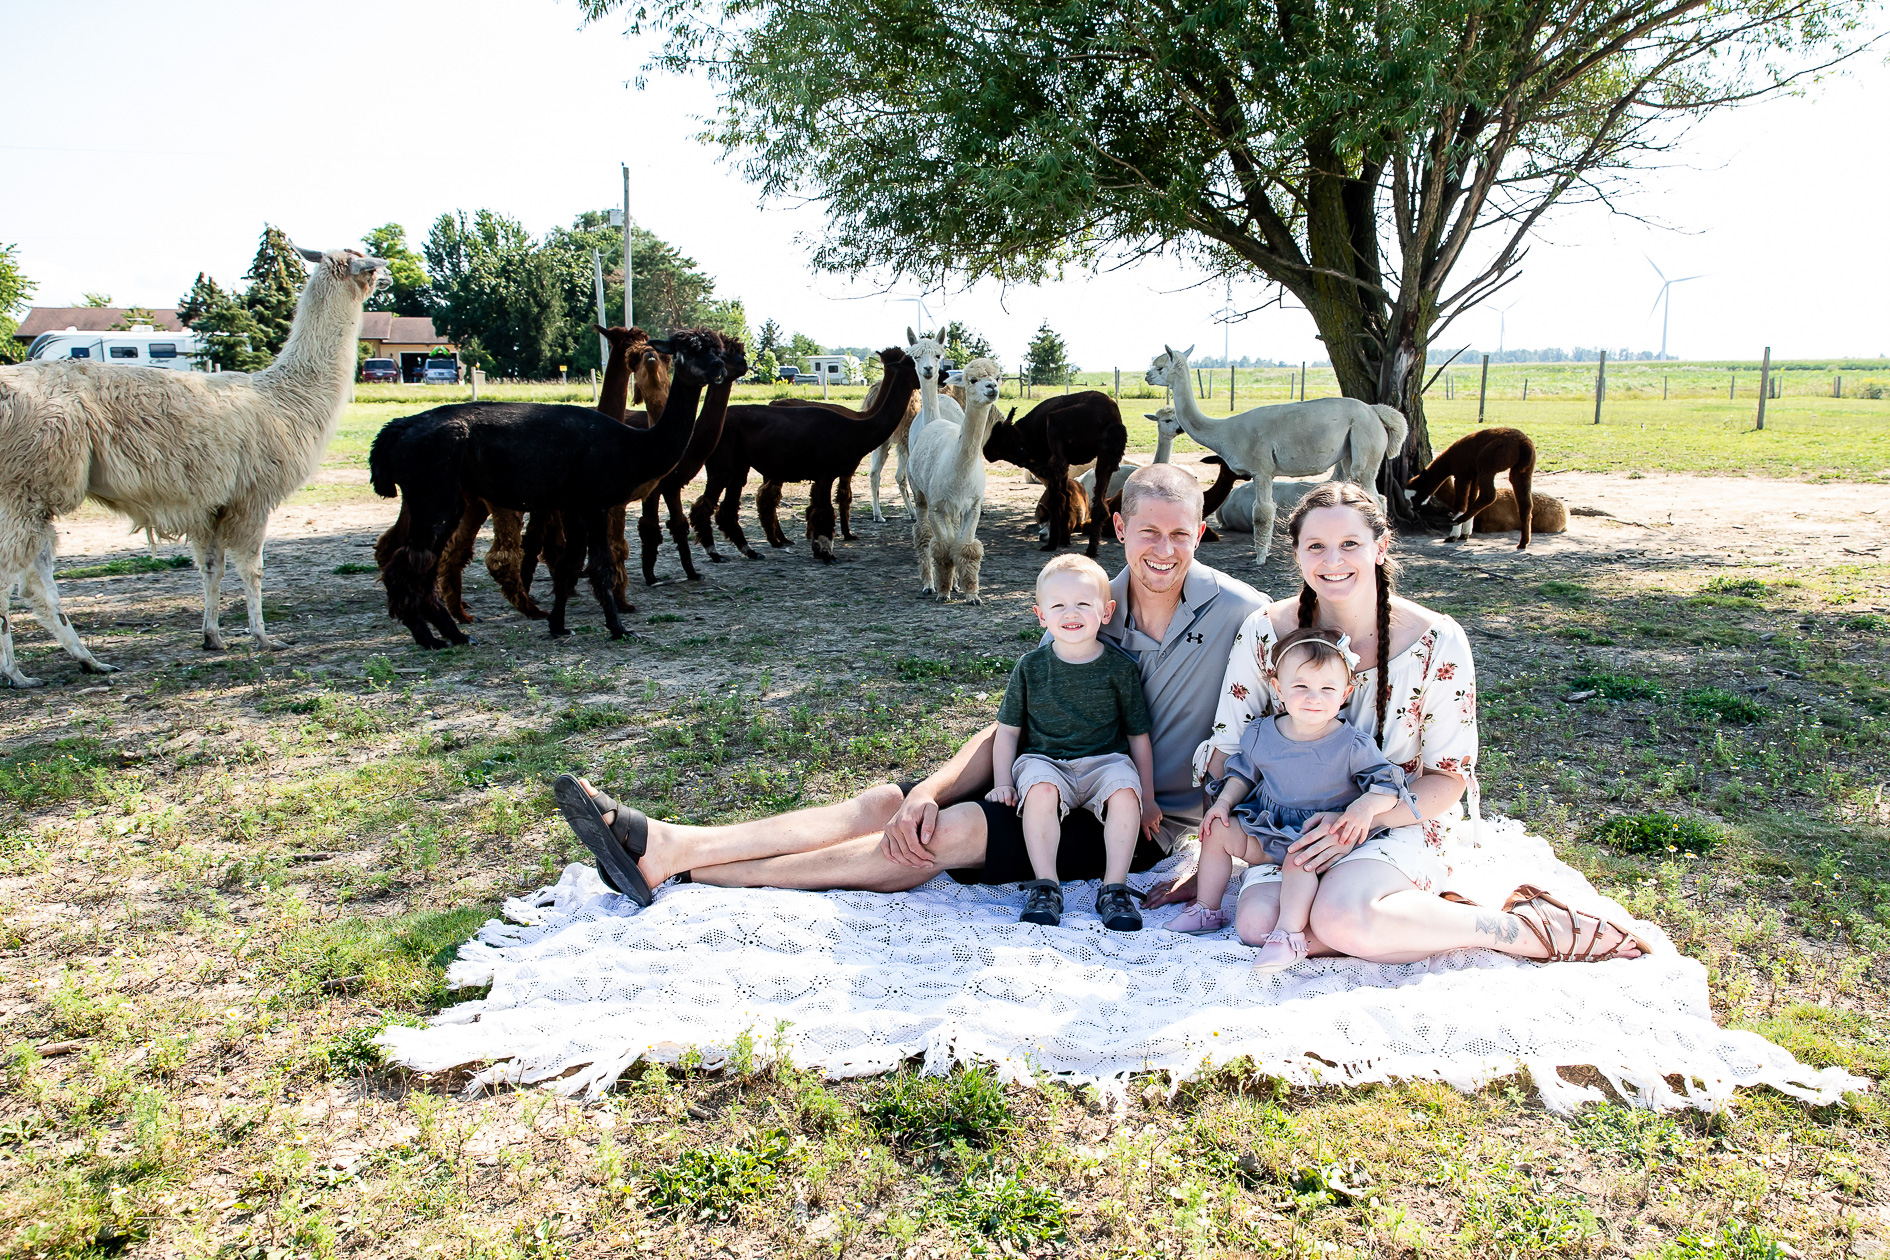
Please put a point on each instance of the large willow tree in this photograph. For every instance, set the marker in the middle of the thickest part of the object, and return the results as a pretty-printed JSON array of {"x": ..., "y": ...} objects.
[{"x": 1382, "y": 161}]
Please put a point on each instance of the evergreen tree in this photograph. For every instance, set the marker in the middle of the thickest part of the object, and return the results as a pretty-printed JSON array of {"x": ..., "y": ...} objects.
[
  {"x": 96, "y": 301},
  {"x": 409, "y": 295},
  {"x": 769, "y": 338},
  {"x": 231, "y": 336},
  {"x": 765, "y": 367},
  {"x": 15, "y": 289},
  {"x": 133, "y": 316},
  {"x": 962, "y": 345},
  {"x": 1047, "y": 359},
  {"x": 275, "y": 280},
  {"x": 492, "y": 283}
]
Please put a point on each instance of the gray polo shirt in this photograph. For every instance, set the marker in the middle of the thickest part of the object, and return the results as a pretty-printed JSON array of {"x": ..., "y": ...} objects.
[{"x": 1182, "y": 673}]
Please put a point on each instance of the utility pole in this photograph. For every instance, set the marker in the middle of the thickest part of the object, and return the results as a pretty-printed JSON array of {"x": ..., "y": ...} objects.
[
  {"x": 628, "y": 320},
  {"x": 1601, "y": 385},
  {"x": 603, "y": 321},
  {"x": 1765, "y": 381},
  {"x": 1483, "y": 389}
]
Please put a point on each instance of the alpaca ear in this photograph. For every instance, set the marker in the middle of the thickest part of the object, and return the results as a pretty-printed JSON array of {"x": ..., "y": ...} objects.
[
  {"x": 1169, "y": 351},
  {"x": 313, "y": 255},
  {"x": 601, "y": 330},
  {"x": 360, "y": 264},
  {"x": 1188, "y": 353},
  {"x": 663, "y": 347},
  {"x": 912, "y": 338}
]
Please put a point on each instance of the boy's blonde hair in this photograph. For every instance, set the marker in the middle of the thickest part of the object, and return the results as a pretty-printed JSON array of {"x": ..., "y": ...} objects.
[{"x": 1075, "y": 563}]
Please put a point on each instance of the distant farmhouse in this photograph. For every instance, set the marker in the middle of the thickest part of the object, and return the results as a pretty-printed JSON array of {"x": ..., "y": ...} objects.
[{"x": 98, "y": 319}]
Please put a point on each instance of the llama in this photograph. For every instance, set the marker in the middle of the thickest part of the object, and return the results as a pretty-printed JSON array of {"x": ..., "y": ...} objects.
[
  {"x": 1058, "y": 432},
  {"x": 947, "y": 479},
  {"x": 205, "y": 456},
  {"x": 531, "y": 457},
  {"x": 631, "y": 362},
  {"x": 843, "y": 488},
  {"x": 707, "y": 435},
  {"x": 929, "y": 354},
  {"x": 794, "y": 444},
  {"x": 1293, "y": 439},
  {"x": 1547, "y": 514},
  {"x": 1473, "y": 462}
]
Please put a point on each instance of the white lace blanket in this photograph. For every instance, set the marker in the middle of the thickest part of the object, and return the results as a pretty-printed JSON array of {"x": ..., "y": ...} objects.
[{"x": 584, "y": 985}]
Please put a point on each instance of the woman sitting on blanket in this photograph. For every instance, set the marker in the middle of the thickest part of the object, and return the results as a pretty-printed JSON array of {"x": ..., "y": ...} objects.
[{"x": 1385, "y": 898}]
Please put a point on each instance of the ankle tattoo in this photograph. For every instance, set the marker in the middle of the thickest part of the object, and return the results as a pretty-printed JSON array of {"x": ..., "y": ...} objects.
[{"x": 1503, "y": 928}]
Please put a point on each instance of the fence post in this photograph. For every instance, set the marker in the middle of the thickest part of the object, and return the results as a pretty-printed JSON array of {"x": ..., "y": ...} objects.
[
  {"x": 1601, "y": 385},
  {"x": 1068, "y": 375},
  {"x": 1765, "y": 381},
  {"x": 1230, "y": 389},
  {"x": 593, "y": 387},
  {"x": 476, "y": 374},
  {"x": 1483, "y": 388},
  {"x": 1837, "y": 387},
  {"x": 1118, "y": 382},
  {"x": 1663, "y": 389},
  {"x": 1302, "y": 380},
  {"x": 1732, "y": 383},
  {"x": 1525, "y": 389}
]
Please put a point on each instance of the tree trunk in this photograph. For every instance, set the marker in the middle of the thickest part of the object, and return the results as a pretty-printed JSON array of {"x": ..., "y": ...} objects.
[{"x": 1396, "y": 380}]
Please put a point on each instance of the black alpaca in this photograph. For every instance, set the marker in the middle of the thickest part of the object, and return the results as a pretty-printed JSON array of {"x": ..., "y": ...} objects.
[
  {"x": 530, "y": 457},
  {"x": 1060, "y": 431},
  {"x": 704, "y": 440},
  {"x": 796, "y": 444}
]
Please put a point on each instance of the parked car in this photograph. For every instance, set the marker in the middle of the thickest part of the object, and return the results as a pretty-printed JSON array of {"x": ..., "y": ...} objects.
[
  {"x": 441, "y": 372},
  {"x": 380, "y": 370},
  {"x": 806, "y": 378},
  {"x": 787, "y": 372}
]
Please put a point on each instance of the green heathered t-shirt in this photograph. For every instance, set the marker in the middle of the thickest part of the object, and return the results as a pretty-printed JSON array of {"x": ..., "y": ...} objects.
[{"x": 1068, "y": 711}]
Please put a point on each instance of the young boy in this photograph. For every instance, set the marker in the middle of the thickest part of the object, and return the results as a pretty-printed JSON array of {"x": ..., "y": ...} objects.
[{"x": 1073, "y": 709}]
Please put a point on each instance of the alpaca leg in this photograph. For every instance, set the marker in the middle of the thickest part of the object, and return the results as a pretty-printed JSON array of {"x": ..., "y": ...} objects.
[
  {"x": 43, "y": 594},
  {"x": 454, "y": 557},
  {"x": 905, "y": 486},
  {"x": 1099, "y": 504},
  {"x": 603, "y": 537},
  {"x": 210, "y": 568},
  {"x": 650, "y": 535},
  {"x": 1057, "y": 487},
  {"x": 8, "y": 665},
  {"x": 1262, "y": 516},
  {"x": 768, "y": 512},
  {"x": 728, "y": 518},
  {"x": 843, "y": 501},
  {"x": 872, "y": 480},
  {"x": 545, "y": 537},
  {"x": 679, "y": 530},
  {"x": 701, "y": 513},
  {"x": 505, "y": 561},
  {"x": 970, "y": 558},
  {"x": 564, "y": 579},
  {"x": 246, "y": 548},
  {"x": 1521, "y": 483},
  {"x": 614, "y": 524},
  {"x": 820, "y": 520},
  {"x": 942, "y": 540}
]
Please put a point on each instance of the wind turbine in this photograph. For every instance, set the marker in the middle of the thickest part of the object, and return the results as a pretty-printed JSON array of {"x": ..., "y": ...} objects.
[
  {"x": 1665, "y": 295},
  {"x": 1502, "y": 322}
]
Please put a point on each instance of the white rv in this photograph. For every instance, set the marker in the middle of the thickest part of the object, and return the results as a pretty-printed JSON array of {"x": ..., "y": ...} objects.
[
  {"x": 142, "y": 346},
  {"x": 835, "y": 369}
]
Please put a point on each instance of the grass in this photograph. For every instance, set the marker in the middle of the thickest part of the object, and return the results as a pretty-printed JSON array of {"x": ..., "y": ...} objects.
[
  {"x": 1657, "y": 832},
  {"x": 122, "y": 566}
]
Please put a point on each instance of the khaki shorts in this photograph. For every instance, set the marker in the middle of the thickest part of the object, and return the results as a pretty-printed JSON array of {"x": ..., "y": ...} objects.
[{"x": 1088, "y": 782}]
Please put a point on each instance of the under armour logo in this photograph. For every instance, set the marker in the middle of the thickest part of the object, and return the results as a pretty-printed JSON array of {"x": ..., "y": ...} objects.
[{"x": 1194, "y": 638}]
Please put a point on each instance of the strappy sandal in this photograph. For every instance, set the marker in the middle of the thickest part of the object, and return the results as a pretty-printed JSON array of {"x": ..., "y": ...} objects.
[
  {"x": 1043, "y": 902},
  {"x": 1531, "y": 906},
  {"x": 1115, "y": 906},
  {"x": 616, "y": 844}
]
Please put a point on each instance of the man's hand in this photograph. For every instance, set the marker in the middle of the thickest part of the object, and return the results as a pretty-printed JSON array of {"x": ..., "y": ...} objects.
[
  {"x": 1006, "y": 795},
  {"x": 908, "y": 838},
  {"x": 1176, "y": 889}
]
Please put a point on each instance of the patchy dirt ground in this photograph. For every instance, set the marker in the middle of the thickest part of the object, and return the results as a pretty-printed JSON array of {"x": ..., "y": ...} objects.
[{"x": 220, "y": 874}]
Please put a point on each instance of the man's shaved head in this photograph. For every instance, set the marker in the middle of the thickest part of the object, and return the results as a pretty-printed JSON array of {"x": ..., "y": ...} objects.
[{"x": 1161, "y": 481}]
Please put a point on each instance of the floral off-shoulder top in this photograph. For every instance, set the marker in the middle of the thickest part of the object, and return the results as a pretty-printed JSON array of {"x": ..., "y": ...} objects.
[{"x": 1433, "y": 722}]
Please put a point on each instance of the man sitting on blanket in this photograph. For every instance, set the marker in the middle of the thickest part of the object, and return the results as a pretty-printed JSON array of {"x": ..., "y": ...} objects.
[{"x": 1176, "y": 616}]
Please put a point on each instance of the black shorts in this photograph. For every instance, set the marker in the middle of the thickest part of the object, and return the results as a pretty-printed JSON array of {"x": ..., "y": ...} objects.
[{"x": 1080, "y": 855}]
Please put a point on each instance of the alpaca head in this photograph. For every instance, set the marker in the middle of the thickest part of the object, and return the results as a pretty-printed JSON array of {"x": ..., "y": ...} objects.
[
  {"x": 928, "y": 354},
  {"x": 1002, "y": 444},
  {"x": 1169, "y": 368},
  {"x": 981, "y": 382},
  {"x": 696, "y": 356},
  {"x": 363, "y": 276},
  {"x": 734, "y": 357},
  {"x": 1166, "y": 422},
  {"x": 901, "y": 373}
]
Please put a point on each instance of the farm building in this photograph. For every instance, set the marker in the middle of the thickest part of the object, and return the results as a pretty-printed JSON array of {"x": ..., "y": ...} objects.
[
  {"x": 406, "y": 339},
  {"x": 96, "y": 319}
]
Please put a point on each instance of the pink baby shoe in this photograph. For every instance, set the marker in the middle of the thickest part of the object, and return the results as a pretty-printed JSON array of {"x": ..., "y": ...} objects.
[
  {"x": 1280, "y": 950},
  {"x": 1197, "y": 920}
]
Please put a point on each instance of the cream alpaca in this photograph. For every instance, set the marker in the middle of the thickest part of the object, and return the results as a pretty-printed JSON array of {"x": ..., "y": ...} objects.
[
  {"x": 947, "y": 480},
  {"x": 928, "y": 355},
  {"x": 205, "y": 457},
  {"x": 1294, "y": 439}
]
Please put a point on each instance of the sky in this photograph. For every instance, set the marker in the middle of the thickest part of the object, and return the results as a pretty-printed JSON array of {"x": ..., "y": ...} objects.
[{"x": 150, "y": 142}]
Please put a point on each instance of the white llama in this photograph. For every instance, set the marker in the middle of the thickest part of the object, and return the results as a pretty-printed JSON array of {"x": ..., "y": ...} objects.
[
  {"x": 928, "y": 355},
  {"x": 180, "y": 453},
  {"x": 1300, "y": 439},
  {"x": 947, "y": 479}
]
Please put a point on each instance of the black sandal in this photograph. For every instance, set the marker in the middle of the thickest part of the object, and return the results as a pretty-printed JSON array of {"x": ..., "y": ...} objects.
[
  {"x": 1043, "y": 902},
  {"x": 1115, "y": 906},
  {"x": 616, "y": 844}
]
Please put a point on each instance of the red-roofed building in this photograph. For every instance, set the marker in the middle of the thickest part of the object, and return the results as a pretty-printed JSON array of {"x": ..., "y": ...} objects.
[{"x": 406, "y": 339}]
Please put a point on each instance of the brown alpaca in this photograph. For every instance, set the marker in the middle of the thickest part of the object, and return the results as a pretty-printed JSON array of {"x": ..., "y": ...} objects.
[
  {"x": 632, "y": 364},
  {"x": 770, "y": 491},
  {"x": 1473, "y": 462},
  {"x": 1547, "y": 515}
]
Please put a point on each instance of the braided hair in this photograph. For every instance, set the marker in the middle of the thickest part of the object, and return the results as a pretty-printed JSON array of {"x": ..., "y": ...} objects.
[{"x": 1345, "y": 494}]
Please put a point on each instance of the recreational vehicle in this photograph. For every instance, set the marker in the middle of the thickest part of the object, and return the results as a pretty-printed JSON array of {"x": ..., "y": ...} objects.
[{"x": 142, "y": 346}]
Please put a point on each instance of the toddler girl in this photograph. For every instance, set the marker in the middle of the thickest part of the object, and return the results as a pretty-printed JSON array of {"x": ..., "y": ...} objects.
[{"x": 1303, "y": 762}]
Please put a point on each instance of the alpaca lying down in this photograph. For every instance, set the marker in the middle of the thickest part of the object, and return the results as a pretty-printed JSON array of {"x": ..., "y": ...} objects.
[
  {"x": 204, "y": 456},
  {"x": 1547, "y": 515}
]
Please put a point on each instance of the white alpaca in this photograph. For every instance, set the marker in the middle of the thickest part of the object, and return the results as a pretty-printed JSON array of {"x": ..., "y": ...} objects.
[
  {"x": 181, "y": 453},
  {"x": 928, "y": 355},
  {"x": 1294, "y": 439},
  {"x": 947, "y": 478}
]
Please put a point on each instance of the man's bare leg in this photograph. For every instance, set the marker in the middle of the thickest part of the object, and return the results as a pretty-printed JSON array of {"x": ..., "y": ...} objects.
[
  {"x": 674, "y": 847},
  {"x": 957, "y": 841}
]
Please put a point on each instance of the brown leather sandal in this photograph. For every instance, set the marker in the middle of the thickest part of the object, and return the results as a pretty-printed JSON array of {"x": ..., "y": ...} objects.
[{"x": 1531, "y": 905}]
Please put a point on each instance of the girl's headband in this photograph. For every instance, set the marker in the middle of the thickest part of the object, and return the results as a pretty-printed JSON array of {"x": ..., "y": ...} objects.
[{"x": 1321, "y": 643}]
